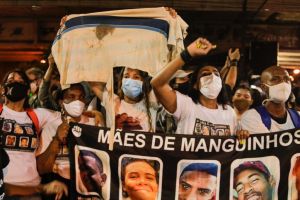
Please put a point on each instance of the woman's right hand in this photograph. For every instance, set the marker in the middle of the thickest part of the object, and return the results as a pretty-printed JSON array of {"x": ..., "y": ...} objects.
[{"x": 199, "y": 47}]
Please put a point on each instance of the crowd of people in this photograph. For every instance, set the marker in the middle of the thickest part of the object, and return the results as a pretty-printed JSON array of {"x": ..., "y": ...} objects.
[{"x": 197, "y": 100}]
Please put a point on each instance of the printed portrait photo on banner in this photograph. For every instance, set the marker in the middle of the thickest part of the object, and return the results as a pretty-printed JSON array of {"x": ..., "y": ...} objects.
[
  {"x": 294, "y": 178},
  {"x": 198, "y": 179},
  {"x": 92, "y": 172},
  {"x": 255, "y": 178},
  {"x": 140, "y": 177}
]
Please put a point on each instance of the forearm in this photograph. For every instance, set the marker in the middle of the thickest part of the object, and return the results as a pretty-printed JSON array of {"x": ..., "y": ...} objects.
[
  {"x": 13, "y": 190},
  {"x": 46, "y": 160},
  {"x": 164, "y": 76},
  {"x": 49, "y": 72},
  {"x": 231, "y": 76}
]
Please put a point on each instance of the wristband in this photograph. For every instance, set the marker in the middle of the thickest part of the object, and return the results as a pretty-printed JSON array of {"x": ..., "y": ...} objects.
[
  {"x": 185, "y": 56},
  {"x": 234, "y": 62}
]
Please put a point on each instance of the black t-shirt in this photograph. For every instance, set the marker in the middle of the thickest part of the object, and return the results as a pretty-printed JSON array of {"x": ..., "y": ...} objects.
[{"x": 4, "y": 160}]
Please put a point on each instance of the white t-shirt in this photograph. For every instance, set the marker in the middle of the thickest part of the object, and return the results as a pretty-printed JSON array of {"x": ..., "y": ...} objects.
[
  {"x": 17, "y": 126},
  {"x": 199, "y": 120},
  {"x": 137, "y": 111},
  {"x": 251, "y": 121},
  {"x": 62, "y": 160}
]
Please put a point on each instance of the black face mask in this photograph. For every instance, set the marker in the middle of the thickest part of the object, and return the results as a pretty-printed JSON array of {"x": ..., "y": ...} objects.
[
  {"x": 183, "y": 88},
  {"x": 16, "y": 91}
]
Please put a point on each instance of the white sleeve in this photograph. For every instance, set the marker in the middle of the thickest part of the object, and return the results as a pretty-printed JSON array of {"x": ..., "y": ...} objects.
[
  {"x": 46, "y": 116},
  {"x": 183, "y": 107},
  {"x": 251, "y": 121},
  {"x": 48, "y": 132}
]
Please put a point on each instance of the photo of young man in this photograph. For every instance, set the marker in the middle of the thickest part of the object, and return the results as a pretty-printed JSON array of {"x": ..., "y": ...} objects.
[
  {"x": 197, "y": 180},
  {"x": 253, "y": 179},
  {"x": 93, "y": 175}
]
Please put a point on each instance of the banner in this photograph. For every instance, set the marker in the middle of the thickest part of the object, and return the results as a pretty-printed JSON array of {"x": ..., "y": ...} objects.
[{"x": 181, "y": 167}]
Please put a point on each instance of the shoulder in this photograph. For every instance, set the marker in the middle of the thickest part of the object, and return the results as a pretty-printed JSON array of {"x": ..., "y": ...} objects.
[
  {"x": 251, "y": 114},
  {"x": 44, "y": 111},
  {"x": 184, "y": 98}
]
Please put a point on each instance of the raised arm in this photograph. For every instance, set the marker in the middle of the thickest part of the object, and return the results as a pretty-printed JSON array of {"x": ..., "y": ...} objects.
[
  {"x": 160, "y": 83},
  {"x": 229, "y": 71},
  {"x": 46, "y": 98}
]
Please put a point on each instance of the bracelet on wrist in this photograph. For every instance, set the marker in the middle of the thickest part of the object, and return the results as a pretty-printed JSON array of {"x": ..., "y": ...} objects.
[
  {"x": 186, "y": 56},
  {"x": 233, "y": 64}
]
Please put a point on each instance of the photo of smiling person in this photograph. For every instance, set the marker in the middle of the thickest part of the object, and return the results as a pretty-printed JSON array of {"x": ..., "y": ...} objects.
[
  {"x": 140, "y": 179},
  {"x": 254, "y": 180}
]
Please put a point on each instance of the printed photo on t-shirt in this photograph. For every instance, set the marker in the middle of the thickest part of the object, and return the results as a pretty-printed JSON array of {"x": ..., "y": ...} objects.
[
  {"x": 29, "y": 130},
  {"x": 207, "y": 128},
  {"x": 18, "y": 129},
  {"x": 7, "y": 126},
  {"x": 23, "y": 143},
  {"x": 33, "y": 143},
  {"x": 10, "y": 140}
]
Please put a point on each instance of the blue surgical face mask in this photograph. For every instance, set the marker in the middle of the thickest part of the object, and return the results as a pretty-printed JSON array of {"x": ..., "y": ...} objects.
[{"x": 132, "y": 88}]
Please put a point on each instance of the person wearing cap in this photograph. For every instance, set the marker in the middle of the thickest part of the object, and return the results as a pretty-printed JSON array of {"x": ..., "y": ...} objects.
[
  {"x": 252, "y": 180},
  {"x": 205, "y": 110},
  {"x": 53, "y": 152},
  {"x": 198, "y": 181}
]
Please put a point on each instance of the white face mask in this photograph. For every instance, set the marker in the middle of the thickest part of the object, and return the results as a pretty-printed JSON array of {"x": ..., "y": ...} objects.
[
  {"x": 279, "y": 93},
  {"x": 74, "y": 108},
  {"x": 210, "y": 86}
]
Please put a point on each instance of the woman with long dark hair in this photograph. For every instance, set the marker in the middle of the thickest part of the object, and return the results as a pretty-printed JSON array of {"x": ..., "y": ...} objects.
[
  {"x": 20, "y": 133},
  {"x": 204, "y": 110},
  {"x": 135, "y": 110}
]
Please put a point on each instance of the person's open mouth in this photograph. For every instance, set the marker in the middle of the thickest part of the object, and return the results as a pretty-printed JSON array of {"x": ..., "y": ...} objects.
[{"x": 253, "y": 196}]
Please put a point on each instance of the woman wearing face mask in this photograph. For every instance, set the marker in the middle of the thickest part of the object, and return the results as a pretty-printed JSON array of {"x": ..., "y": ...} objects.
[
  {"x": 22, "y": 176},
  {"x": 203, "y": 111},
  {"x": 135, "y": 109},
  {"x": 242, "y": 100}
]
